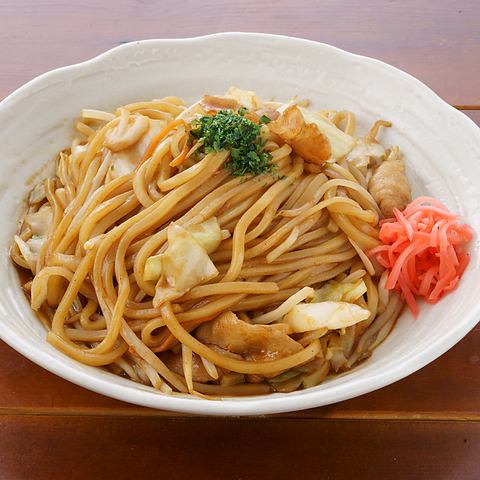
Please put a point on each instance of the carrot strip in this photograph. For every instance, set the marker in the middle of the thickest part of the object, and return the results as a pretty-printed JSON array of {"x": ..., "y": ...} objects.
[
  {"x": 160, "y": 136},
  {"x": 424, "y": 249},
  {"x": 180, "y": 158}
]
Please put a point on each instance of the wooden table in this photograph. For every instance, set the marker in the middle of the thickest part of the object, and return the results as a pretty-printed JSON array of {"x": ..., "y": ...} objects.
[{"x": 426, "y": 426}]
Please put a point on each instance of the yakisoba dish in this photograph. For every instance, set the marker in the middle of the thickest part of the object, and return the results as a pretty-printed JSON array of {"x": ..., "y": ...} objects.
[{"x": 231, "y": 247}]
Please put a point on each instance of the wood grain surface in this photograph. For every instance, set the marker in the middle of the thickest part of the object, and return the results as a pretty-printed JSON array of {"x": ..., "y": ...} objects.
[
  {"x": 134, "y": 448},
  {"x": 447, "y": 389},
  {"x": 437, "y": 41},
  {"x": 425, "y": 426}
]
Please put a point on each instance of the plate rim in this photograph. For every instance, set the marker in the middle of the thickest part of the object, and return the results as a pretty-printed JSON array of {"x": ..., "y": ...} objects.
[{"x": 265, "y": 404}]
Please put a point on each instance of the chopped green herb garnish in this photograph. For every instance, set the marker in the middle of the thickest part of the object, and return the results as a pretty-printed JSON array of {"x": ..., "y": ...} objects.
[
  {"x": 265, "y": 119},
  {"x": 228, "y": 130}
]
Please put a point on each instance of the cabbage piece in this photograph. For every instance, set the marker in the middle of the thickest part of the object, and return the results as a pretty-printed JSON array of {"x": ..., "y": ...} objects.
[
  {"x": 37, "y": 194},
  {"x": 40, "y": 221},
  {"x": 363, "y": 151},
  {"x": 340, "y": 142},
  {"x": 184, "y": 265},
  {"x": 305, "y": 317},
  {"x": 284, "y": 377},
  {"x": 336, "y": 353},
  {"x": 153, "y": 268},
  {"x": 207, "y": 234},
  {"x": 315, "y": 378},
  {"x": 25, "y": 249},
  {"x": 127, "y": 132},
  {"x": 245, "y": 98},
  {"x": 340, "y": 292},
  {"x": 126, "y": 161}
]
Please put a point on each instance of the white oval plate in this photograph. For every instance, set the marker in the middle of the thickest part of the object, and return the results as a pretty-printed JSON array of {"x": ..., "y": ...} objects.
[{"x": 441, "y": 146}]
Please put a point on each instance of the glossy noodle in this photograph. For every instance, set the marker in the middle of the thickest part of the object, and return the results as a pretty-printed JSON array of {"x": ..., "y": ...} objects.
[{"x": 174, "y": 264}]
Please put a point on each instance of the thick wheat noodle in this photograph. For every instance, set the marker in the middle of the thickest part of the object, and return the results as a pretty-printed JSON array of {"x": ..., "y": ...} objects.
[
  {"x": 290, "y": 230},
  {"x": 197, "y": 198},
  {"x": 210, "y": 204},
  {"x": 317, "y": 275},
  {"x": 279, "y": 312},
  {"x": 165, "y": 105},
  {"x": 101, "y": 195},
  {"x": 56, "y": 218},
  {"x": 153, "y": 192},
  {"x": 175, "y": 139},
  {"x": 328, "y": 246},
  {"x": 148, "y": 337},
  {"x": 59, "y": 236},
  {"x": 76, "y": 282},
  {"x": 372, "y": 299},
  {"x": 271, "y": 269},
  {"x": 231, "y": 216},
  {"x": 185, "y": 176},
  {"x": 268, "y": 215},
  {"x": 354, "y": 276},
  {"x": 245, "y": 190},
  {"x": 144, "y": 352},
  {"x": 362, "y": 239},
  {"x": 254, "y": 187},
  {"x": 129, "y": 205},
  {"x": 358, "y": 175},
  {"x": 165, "y": 171},
  {"x": 244, "y": 389},
  {"x": 285, "y": 229},
  {"x": 311, "y": 191},
  {"x": 232, "y": 287},
  {"x": 85, "y": 355},
  {"x": 383, "y": 293},
  {"x": 352, "y": 211},
  {"x": 211, "y": 309},
  {"x": 278, "y": 153},
  {"x": 89, "y": 311},
  {"x": 284, "y": 246},
  {"x": 394, "y": 303},
  {"x": 98, "y": 215},
  {"x": 133, "y": 226},
  {"x": 77, "y": 335},
  {"x": 312, "y": 194},
  {"x": 363, "y": 198},
  {"x": 240, "y": 366},
  {"x": 140, "y": 186},
  {"x": 61, "y": 197},
  {"x": 238, "y": 249},
  {"x": 359, "y": 193},
  {"x": 363, "y": 256},
  {"x": 94, "y": 145},
  {"x": 41, "y": 279},
  {"x": 293, "y": 279},
  {"x": 63, "y": 260},
  {"x": 129, "y": 369},
  {"x": 69, "y": 171},
  {"x": 310, "y": 236},
  {"x": 387, "y": 326}
]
